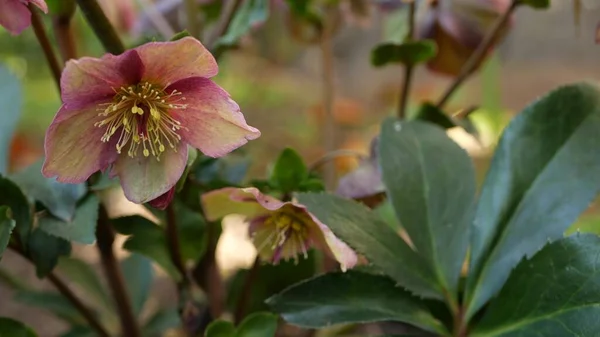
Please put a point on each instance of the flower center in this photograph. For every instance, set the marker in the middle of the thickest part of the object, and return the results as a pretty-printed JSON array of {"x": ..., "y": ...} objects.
[
  {"x": 285, "y": 235},
  {"x": 139, "y": 115}
]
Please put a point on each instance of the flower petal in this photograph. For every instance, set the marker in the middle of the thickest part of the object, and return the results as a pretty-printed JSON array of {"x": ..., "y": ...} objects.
[
  {"x": 231, "y": 200},
  {"x": 324, "y": 239},
  {"x": 212, "y": 121},
  {"x": 14, "y": 16},
  {"x": 41, "y": 4},
  {"x": 163, "y": 200},
  {"x": 145, "y": 178},
  {"x": 73, "y": 147},
  {"x": 90, "y": 79},
  {"x": 168, "y": 62}
]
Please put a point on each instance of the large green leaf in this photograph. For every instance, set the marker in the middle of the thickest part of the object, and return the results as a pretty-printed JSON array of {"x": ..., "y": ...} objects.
[
  {"x": 260, "y": 324},
  {"x": 220, "y": 329},
  {"x": 60, "y": 199},
  {"x": 148, "y": 239},
  {"x": 12, "y": 197},
  {"x": 371, "y": 236},
  {"x": 10, "y": 109},
  {"x": 430, "y": 181},
  {"x": 556, "y": 293},
  {"x": 82, "y": 274},
  {"x": 81, "y": 229},
  {"x": 7, "y": 224},
  {"x": 45, "y": 249},
  {"x": 351, "y": 297},
  {"x": 191, "y": 227},
  {"x": 137, "y": 271},
  {"x": 160, "y": 321},
  {"x": 51, "y": 301},
  {"x": 11, "y": 328},
  {"x": 543, "y": 175},
  {"x": 250, "y": 13}
]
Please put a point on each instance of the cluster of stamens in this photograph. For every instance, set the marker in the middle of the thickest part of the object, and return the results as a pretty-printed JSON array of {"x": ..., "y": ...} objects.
[
  {"x": 139, "y": 114},
  {"x": 288, "y": 235}
]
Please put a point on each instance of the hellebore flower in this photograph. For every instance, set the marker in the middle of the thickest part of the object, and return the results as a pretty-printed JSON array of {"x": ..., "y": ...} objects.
[
  {"x": 279, "y": 230},
  {"x": 136, "y": 113},
  {"x": 15, "y": 16}
]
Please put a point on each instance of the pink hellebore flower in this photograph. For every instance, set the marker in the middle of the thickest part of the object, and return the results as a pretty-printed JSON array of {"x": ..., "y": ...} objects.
[
  {"x": 279, "y": 230},
  {"x": 137, "y": 112},
  {"x": 15, "y": 16}
]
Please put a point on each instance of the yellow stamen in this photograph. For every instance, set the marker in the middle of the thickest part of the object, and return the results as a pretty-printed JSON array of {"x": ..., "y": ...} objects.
[{"x": 125, "y": 115}]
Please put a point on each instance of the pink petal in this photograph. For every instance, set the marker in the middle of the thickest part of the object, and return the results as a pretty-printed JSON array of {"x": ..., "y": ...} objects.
[
  {"x": 91, "y": 79},
  {"x": 168, "y": 62},
  {"x": 14, "y": 16},
  {"x": 41, "y": 4},
  {"x": 231, "y": 200},
  {"x": 213, "y": 121},
  {"x": 145, "y": 178},
  {"x": 73, "y": 147},
  {"x": 325, "y": 239}
]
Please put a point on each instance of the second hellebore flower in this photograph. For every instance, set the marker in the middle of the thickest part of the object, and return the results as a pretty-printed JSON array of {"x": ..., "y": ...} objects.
[
  {"x": 15, "y": 16},
  {"x": 136, "y": 113},
  {"x": 279, "y": 230}
]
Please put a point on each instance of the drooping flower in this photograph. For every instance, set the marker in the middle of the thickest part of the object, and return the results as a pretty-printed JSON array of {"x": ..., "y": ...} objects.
[
  {"x": 279, "y": 230},
  {"x": 136, "y": 113},
  {"x": 15, "y": 16}
]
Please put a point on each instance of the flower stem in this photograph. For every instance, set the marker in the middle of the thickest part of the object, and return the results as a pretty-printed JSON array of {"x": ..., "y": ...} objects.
[
  {"x": 64, "y": 35},
  {"x": 62, "y": 287},
  {"x": 242, "y": 303},
  {"x": 40, "y": 33},
  {"x": 105, "y": 238},
  {"x": 327, "y": 64},
  {"x": 478, "y": 55},
  {"x": 408, "y": 68},
  {"x": 207, "y": 274},
  {"x": 174, "y": 244},
  {"x": 102, "y": 27}
]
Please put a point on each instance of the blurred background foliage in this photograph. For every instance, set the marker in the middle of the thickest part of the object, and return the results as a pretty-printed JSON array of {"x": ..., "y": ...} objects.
[{"x": 276, "y": 79}]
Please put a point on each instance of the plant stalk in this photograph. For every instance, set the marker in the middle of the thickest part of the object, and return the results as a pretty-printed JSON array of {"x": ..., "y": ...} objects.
[
  {"x": 408, "y": 68},
  {"x": 328, "y": 82},
  {"x": 242, "y": 304},
  {"x": 101, "y": 26},
  {"x": 42, "y": 37},
  {"x": 105, "y": 238},
  {"x": 469, "y": 68},
  {"x": 64, "y": 37}
]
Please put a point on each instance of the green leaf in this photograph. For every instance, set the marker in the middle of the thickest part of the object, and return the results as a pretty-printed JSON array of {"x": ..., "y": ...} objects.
[
  {"x": 7, "y": 224},
  {"x": 289, "y": 171},
  {"x": 250, "y": 13},
  {"x": 60, "y": 199},
  {"x": 45, "y": 249},
  {"x": 81, "y": 229},
  {"x": 192, "y": 156},
  {"x": 351, "y": 297},
  {"x": 137, "y": 271},
  {"x": 51, "y": 301},
  {"x": 260, "y": 324},
  {"x": 537, "y": 4},
  {"x": 11, "y": 102},
  {"x": 220, "y": 329},
  {"x": 12, "y": 197},
  {"x": 82, "y": 274},
  {"x": 304, "y": 9},
  {"x": 148, "y": 239},
  {"x": 408, "y": 53},
  {"x": 542, "y": 176},
  {"x": 11, "y": 328},
  {"x": 430, "y": 182},
  {"x": 180, "y": 35},
  {"x": 556, "y": 293},
  {"x": 191, "y": 226},
  {"x": 104, "y": 182},
  {"x": 80, "y": 331},
  {"x": 371, "y": 236},
  {"x": 161, "y": 321}
]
